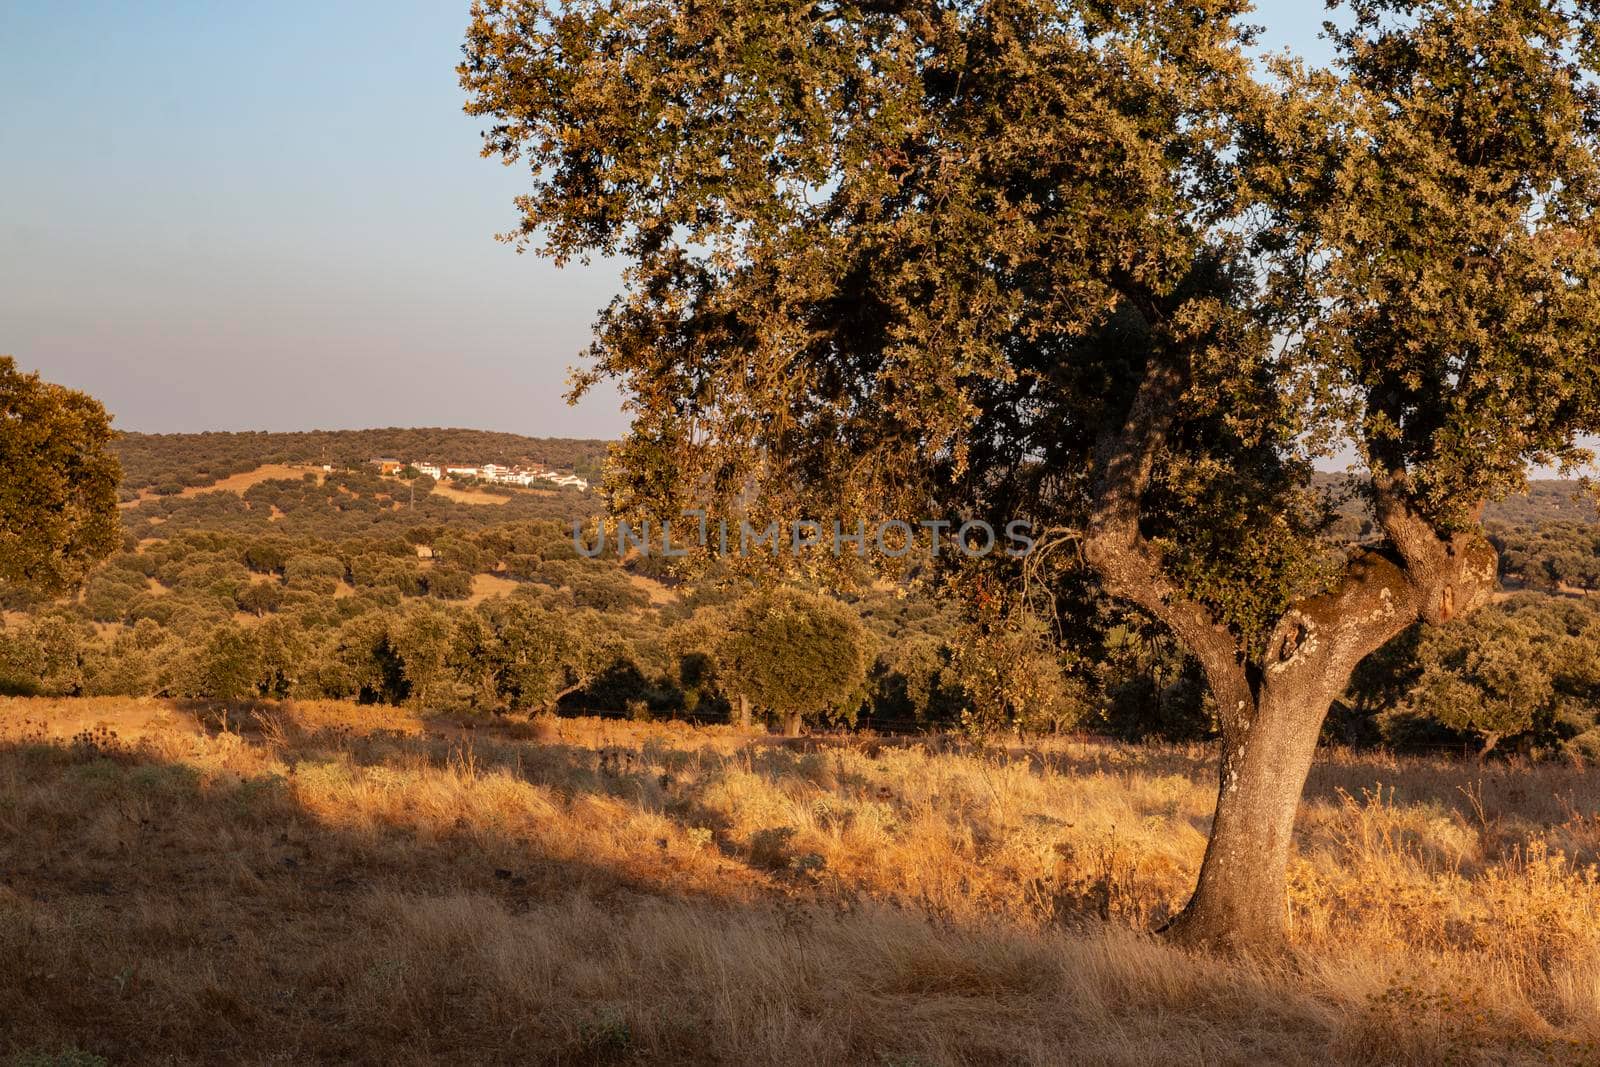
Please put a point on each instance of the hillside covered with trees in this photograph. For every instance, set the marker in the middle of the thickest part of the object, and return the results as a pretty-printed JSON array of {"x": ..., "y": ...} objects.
[{"x": 166, "y": 464}]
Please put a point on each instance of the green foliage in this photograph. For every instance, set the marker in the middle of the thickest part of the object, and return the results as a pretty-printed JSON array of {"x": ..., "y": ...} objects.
[
  {"x": 795, "y": 654},
  {"x": 448, "y": 582},
  {"x": 916, "y": 679},
  {"x": 109, "y": 594},
  {"x": 604, "y": 589},
  {"x": 58, "y": 482},
  {"x": 287, "y": 658},
  {"x": 228, "y": 666},
  {"x": 1012, "y": 673},
  {"x": 268, "y": 555},
  {"x": 1528, "y": 671},
  {"x": 1551, "y": 555},
  {"x": 313, "y": 573},
  {"x": 1458, "y": 217},
  {"x": 532, "y": 653},
  {"x": 259, "y": 598},
  {"x": 374, "y": 570},
  {"x": 882, "y": 260},
  {"x": 422, "y": 638},
  {"x": 360, "y": 663},
  {"x": 143, "y": 659}
]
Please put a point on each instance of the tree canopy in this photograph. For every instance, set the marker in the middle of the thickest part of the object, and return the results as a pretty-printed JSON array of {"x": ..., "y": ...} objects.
[
  {"x": 887, "y": 255},
  {"x": 58, "y": 483},
  {"x": 1095, "y": 265},
  {"x": 794, "y": 655}
]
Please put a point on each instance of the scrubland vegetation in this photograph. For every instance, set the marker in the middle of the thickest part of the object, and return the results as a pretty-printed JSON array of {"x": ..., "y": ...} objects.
[
  {"x": 311, "y": 587},
  {"x": 328, "y": 882}
]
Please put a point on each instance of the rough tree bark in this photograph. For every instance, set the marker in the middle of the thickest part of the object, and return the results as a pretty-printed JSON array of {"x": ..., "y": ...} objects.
[
  {"x": 1270, "y": 713},
  {"x": 744, "y": 711}
]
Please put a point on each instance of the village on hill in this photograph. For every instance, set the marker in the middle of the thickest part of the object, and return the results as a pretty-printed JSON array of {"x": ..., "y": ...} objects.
[{"x": 494, "y": 473}]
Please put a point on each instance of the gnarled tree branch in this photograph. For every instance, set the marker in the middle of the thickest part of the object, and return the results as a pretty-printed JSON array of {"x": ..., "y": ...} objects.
[
  {"x": 1422, "y": 574},
  {"x": 1129, "y": 566}
]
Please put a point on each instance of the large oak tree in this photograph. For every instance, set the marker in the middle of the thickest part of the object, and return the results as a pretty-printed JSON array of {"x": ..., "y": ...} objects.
[
  {"x": 58, "y": 483},
  {"x": 1089, "y": 262}
]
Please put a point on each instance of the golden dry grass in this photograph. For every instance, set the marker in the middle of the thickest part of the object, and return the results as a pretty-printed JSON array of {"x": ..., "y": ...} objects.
[
  {"x": 332, "y": 883},
  {"x": 468, "y": 496},
  {"x": 485, "y": 586},
  {"x": 659, "y": 593}
]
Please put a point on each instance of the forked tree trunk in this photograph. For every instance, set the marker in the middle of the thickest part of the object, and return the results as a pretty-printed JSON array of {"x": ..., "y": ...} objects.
[
  {"x": 1240, "y": 898},
  {"x": 791, "y": 724},
  {"x": 1271, "y": 709}
]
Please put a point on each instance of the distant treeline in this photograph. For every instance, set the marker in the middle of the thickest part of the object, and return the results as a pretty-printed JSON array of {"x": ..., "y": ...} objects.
[
  {"x": 167, "y": 463},
  {"x": 506, "y": 618},
  {"x": 1545, "y": 501},
  {"x": 510, "y": 619}
]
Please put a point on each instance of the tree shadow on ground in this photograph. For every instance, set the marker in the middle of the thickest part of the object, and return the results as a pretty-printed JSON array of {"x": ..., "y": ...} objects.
[
  {"x": 149, "y": 909},
  {"x": 154, "y": 909},
  {"x": 1509, "y": 803}
]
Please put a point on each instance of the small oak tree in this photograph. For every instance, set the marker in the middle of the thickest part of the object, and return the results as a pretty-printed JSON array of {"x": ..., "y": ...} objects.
[
  {"x": 793, "y": 655},
  {"x": 228, "y": 665},
  {"x": 1089, "y": 263}
]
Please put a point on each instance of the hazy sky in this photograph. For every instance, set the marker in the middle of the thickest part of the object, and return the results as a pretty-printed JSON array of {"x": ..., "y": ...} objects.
[{"x": 254, "y": 215}]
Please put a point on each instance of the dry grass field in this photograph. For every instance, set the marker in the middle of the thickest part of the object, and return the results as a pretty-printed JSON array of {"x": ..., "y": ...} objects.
[
  {"x": 319, "y": 883},
  {"x": 485, "y": 586}
]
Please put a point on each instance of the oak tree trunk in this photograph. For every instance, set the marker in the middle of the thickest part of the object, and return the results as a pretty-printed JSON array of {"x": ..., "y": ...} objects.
[
  {"x": 1271, "y": 703},
  {"x": 791, "y": 724},
  {"x": 1240, "y": 898},
  {"x": 1489, "y": 743},
  {"x": 744, "y": 711}
]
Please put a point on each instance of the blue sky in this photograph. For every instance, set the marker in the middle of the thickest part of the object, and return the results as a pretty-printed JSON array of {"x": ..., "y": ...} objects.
[{"x": 273, "y": 216}]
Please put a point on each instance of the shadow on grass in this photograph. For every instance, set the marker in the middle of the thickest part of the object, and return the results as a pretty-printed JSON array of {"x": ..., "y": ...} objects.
[
  {"x": 1510, "y": 803},
  {"x": 150, "y": 910}
]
